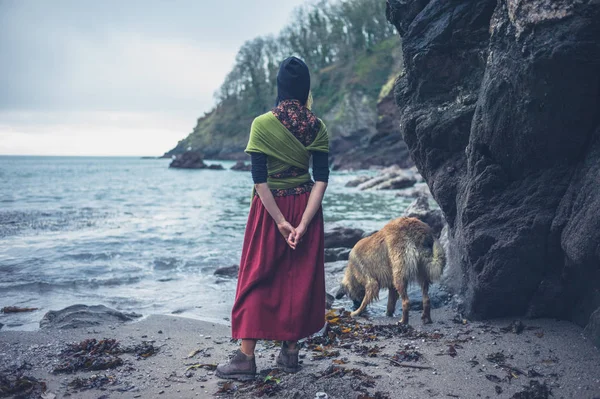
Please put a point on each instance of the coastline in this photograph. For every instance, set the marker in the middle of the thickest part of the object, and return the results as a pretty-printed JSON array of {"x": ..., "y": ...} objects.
[{"x": 452, "y": 360}]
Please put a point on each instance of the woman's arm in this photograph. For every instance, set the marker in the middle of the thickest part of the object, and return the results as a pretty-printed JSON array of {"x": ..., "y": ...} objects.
[
  {"x": 259, "y": 175},
  {"x": 321, "y": 176},
  {"x": 314, "y": 203},
  {"x": 285, "y": 228}
]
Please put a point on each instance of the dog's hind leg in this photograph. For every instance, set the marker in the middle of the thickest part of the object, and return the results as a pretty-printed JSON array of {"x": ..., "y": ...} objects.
[
  {"x": 392, "y": 299},
  {"x": 426, "y": 316},
  {"x": 402, "y": 288},
  {"x": 371, "y": 292}
]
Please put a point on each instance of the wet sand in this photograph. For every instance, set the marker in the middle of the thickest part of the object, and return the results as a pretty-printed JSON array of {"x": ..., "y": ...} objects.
[{"x": 453, "y": 359}]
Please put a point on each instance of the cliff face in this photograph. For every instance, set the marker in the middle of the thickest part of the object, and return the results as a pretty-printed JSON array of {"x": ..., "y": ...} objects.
[
  {"x": 500, "y": 108},
  {"x": 355, "y": 100}
]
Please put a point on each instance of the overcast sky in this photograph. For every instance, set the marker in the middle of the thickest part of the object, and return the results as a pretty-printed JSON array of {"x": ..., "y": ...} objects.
[{"x": 118, "y": 77}]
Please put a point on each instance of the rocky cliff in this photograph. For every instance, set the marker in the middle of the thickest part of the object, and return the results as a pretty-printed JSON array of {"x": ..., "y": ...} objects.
[
  {"x": 353, "y": 97},
  {"x": 500, "y": 108}
]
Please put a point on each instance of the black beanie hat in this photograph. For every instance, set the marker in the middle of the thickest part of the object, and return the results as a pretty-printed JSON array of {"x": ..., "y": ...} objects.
[{"x": 293, "y": 80}]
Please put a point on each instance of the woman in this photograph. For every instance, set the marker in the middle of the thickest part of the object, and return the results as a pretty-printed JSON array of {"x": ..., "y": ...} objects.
[{"x": 281, "y": 283}]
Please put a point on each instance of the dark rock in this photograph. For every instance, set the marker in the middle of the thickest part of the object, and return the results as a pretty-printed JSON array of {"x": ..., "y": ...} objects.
[
  {"x": 438, "y": 297},
  {"x": 336, "y": 254},
  {"x": 592, "y": 330},
  {"x": 329, "y": 299},
  {"x": 397, "y": 183},
  {"x": 229, "y": 271},
  {"x": 357, "y": 181},
  {"x": 499, "y": 107},
  {"x": 415, "y": 191},
  {"x": 1, "y": 325},
  {"x": 216, "y": 166},
  {"x": 188, "y": 160},
  {"x": 377, "y": 143},
  {"x": 242, "y": 166},
  {"x": 342, "y": 237},
  {"x": 419, "y": 209},
  {"x": 77, "y": 316},
  {"x": 391, "y": 178}
]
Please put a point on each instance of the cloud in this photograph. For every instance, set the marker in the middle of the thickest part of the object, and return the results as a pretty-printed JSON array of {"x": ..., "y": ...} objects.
[
  {"x": 65, "y": 61},
  {"x": 90, "y": 133}
]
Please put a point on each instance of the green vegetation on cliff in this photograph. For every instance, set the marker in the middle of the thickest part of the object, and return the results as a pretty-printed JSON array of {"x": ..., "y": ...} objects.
[{"x": 351, "y": 50}]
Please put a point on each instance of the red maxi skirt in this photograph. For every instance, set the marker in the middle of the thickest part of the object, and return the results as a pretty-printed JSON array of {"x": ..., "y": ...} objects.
[{"x": 280, "y": 291}]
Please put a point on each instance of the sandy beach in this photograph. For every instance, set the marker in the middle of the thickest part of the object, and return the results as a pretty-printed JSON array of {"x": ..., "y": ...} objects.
[{"x": 367, "y": 358}]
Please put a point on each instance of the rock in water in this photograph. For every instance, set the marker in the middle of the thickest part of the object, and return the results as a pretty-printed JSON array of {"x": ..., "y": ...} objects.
[
  {"x": 419, "y": 209},
  {"x": 77, "y": 316},
  {"x": 336, "y": 254},
  {"x": 342, "y": 237},
  {"x": 357, "y": 181},
  {"x": 499, "y": 107},
  {"x": 329, "y": 300},
  {"x": 229, "y": 271},
  {"x": 242, "y": 166},
  {"x": 188, "y": 160}
]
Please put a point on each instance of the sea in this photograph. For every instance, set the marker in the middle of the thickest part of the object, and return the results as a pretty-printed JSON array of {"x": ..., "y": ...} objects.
[{"x": 136, "y": 236}]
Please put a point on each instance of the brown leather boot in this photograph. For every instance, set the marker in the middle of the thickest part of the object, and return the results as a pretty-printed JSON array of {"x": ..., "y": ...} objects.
[
  {"x": 288, "y": 359},
  {"x": 240, "y": 367}
]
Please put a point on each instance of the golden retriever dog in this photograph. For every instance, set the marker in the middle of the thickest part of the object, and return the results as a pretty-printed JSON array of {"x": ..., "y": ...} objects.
[{"x": 404, "y": 251}]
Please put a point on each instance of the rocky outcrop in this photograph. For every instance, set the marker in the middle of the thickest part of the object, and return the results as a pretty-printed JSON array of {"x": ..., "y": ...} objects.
[
  {"x": 337, "y": 254},
  {"x": 242, "y": 166},
  {"x": 391, "y": 178},
  {"x": 227, "y": 271},
  {"x": 78, "y": 316},
  {"x": 500, "y": 108},
  {"x": 421, "y": 210},
  {"x": 192, "y": 160},
  {"x": 188, "y": 160},
  {"x": 341, "y": 237},
  {"x": 369, "y": 137}
]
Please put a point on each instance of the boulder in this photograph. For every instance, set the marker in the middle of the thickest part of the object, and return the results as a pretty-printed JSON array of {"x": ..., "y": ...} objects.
[
  {"x": 242, "y": 166},
  {"x": 499, "y": 109},
  {"x": 188, "y": 160},
  {"x": 342, "y": 237},
  {"x": 391, "y": 178},
  {"x": 592, "y": 330},
  {"x": 415, "y": 191},
  {"x": 358, "y": 181},
  {"x": 216, "y": 166},
  {"x": 78, "y": 316},
  {"x": 336, "y": 254},
  {"x": 420, "y": 209},
  {"x": 329, "y": 299},
  {"x": 397, "y": 183},
  {"x": 228, "y": 271}
]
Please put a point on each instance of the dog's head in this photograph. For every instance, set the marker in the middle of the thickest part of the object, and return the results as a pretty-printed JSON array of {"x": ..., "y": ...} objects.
[{"x": 355, "y": 293}]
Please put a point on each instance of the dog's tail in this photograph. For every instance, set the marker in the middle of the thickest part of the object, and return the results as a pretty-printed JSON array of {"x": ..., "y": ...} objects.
[{"x": 435, "y": 266}]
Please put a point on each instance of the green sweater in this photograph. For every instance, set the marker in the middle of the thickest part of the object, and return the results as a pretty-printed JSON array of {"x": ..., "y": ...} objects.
[{"x": 269, "y": 136}]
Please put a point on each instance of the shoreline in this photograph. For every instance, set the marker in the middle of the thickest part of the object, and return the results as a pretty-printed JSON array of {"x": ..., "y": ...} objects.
[{"x": 451, "y": 359}]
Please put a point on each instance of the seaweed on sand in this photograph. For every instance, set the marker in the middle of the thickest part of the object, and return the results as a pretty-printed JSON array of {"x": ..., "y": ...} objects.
[
  {"x": 14, "y": 384},
  {"x": 94, "y": 355},
  {"x": 343, "y": 331}
]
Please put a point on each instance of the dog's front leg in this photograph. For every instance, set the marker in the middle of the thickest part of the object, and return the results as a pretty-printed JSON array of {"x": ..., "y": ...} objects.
[
  {"x": 426, "y": 317},
  {"x": 392, "y": 299}
]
